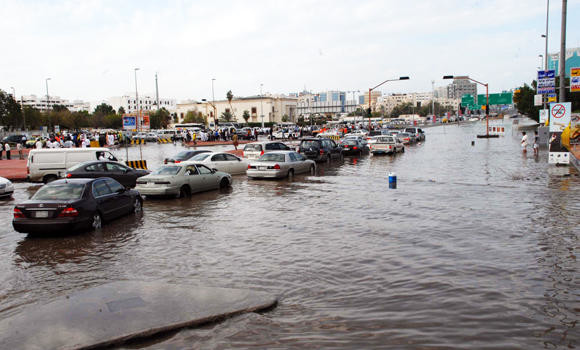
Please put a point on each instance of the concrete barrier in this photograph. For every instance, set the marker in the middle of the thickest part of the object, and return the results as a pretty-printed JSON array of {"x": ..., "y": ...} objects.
[
  {"x": 138, "y": 141},
  {"x": 164, "y": 141},
  {"x": 137, "y": 164}
]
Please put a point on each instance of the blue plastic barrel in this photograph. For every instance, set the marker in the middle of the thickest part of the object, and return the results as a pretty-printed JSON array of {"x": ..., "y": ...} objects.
[{"x": 392, "y": 180}]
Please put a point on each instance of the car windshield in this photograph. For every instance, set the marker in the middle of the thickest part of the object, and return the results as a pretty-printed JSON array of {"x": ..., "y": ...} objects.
[
  {"x": 200, "y": 156},
  {"x": 183, "y": 155},
  {"x": 384, "y": 140},
  {"x": 272, "y": 157},
  {"x": 349, "y": 142},
  {"x": 167, "y": 170},
  {"x": 309, "y": 143},
  {"x": 253, "y": 147},
  {"x": 59, "y": 192},
  {"x": 77, "y": 166}
]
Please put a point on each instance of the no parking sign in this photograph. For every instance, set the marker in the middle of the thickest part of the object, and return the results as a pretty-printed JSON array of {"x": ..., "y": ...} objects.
[{"x": 559, "y": 116}]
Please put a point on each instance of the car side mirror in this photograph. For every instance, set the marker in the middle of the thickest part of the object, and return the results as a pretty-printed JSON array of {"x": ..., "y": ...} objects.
[{"x": 213, "y": 170}]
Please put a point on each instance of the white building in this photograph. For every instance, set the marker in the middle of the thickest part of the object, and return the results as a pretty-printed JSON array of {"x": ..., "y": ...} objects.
[
  {"x": 325, "y": 103},
  {"x": 147, "y": 102},
  {"x": 416, "y": 99},
  {"x": 41, "y": 103},
  {"x": 272, "y": 107}
]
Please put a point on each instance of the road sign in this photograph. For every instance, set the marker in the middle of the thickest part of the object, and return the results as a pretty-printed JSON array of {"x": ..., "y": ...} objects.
[
  {"x": 537, "y": 100},
  {"x": 129, "y": 122},
  {"x": 552, "y": 98},
  {"x": 546, "y": 81},
  {"x": 543, "y": 115},
  {"x": 574, "y": 79},
  {"x": 504, "y": 98},
  {"x": 559, "y": 116}
]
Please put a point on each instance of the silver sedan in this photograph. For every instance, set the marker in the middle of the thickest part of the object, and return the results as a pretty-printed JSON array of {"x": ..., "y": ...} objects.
[
  {"x": 182, "y": 180},
  {"x": 279, "y": 164}
]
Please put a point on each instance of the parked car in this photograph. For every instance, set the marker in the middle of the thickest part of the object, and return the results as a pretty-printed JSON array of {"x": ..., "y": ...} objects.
[
  {"x": 406, "y": 138},
  {"x": 75, "y": 204},
  {"x": 14, "y": 139},
  {"x": 151, "y": 137},
  {"x": 279, "y": 164},
  {"x": 184, "y": 155},
  {"x": 256, "y": 149},
  {"x": 139, "y": 136},
  {"x": 353, "y": 145},
  {"x": 320, "y": 149},
  {"x": 182, "y": 180},
  {"x": 385, "y": 144},
  {"x": 49, "y": 164},
  {"x": 419, "y": 134},
  {"x": 286, "y": 134},
  {"x": 6, "y": 187},
  {"x": 226, "y": 162},
  {"x": 94, "y": 169},
  {"x": 359, "y": 137}
]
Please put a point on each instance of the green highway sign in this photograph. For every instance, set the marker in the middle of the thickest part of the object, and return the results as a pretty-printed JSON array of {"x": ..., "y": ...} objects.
[{"x": 504, "y": 98}]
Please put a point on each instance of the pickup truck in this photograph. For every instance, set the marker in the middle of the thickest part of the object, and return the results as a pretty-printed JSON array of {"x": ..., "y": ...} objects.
[{"x": 385, "y": 144}]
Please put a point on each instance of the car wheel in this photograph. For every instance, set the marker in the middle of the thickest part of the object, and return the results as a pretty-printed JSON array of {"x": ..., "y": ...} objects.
[
  {"x": 97, "y": 221},
  {"x": 137, "y": 206},
  {"x": 290, "y": 174},
  {"x": 49, "y": 178},
  {"x": 224, "y": 183},
  {"x": 312, "y": 170},
  {"x": 184, "y": 191}
]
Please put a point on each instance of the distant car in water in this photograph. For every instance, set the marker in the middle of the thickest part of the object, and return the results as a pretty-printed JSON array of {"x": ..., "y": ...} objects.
[
  {"x": 255, "y": 150},
  {"x": 75, "y": 204},
  {"x": 320, "y": 149},
  {"x": 221, "y": 161},
  {"x": 385, "y": 144},
  {"x": 94, "y": 169},
  {"x": 279, "y": 164},
  {"x": 352, "y": 146},
  {"x": 184, "y": 155},
  {"x": 419, "y": 134}
]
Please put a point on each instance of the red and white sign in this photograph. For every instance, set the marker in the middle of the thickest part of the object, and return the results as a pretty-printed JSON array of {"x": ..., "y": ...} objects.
[{"x": 559, "y": 116}]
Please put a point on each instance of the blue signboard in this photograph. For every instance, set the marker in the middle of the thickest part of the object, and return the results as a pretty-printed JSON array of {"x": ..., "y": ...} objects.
[
  {"x": 129, "y": 122},
  {"x": 546, "y": 81},
  {"x": 546, "y": 74}
]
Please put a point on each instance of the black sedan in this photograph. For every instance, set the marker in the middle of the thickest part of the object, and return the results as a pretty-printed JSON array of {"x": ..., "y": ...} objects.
[
  {"x": 67, "y": 205},
  {"x": 183, "y": 156},
  {"x": 95, "y": 169},
  {"x": 352, "y": 146}
]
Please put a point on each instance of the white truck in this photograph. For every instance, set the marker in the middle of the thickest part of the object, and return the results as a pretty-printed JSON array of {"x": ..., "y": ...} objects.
[
  {"x": 47, "y": 165},
  {"x": 385, "y": 144}
]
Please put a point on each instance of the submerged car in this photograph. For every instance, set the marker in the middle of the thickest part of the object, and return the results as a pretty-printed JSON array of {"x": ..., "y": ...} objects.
[
  {"x": 182, "y": 180},
  {"x": 320, "y": 149},
  {"x": 6, "y": 187},
  {"x": 75, "y": 204},
  {"x": 385, "y": 144},
  {"x": 280, "y": 164},
  {"x": 353, "y": 146},
  {"x": 255, "y": 150},
  {"x": 222, "y": 161},
  {"x": 184, "y": 155},
  {"x": 94, "y": 169}
]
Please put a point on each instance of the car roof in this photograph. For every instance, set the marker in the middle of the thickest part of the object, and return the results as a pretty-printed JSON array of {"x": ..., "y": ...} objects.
[
  {"x": 262, "y": 142},
  {"x": 281, "y": 152},
  {"x": 74, "y": 181}
]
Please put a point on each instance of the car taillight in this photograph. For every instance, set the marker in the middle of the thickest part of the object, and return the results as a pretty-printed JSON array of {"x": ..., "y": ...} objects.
[
  {"x": 68, "y": 175},
  {"x": 249, "y": 166},
  {"x": 18, "y": 213},
  {"x": 277, "y": 167},
  {"x": 321, "y": 151},
  {"x": 27, "y": 170},
  {"x": 177, "y": 161},
  {"x": 355, "y": 147},
  {"x": 68, "y": 212},
  {"x": 164, "y": 161},
  {"x": 390, "y": 147},
  {"x": 262, "y": 153}
]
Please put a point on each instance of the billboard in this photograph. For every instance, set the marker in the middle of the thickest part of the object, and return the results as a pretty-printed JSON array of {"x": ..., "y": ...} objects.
[
  {"x": 129, "y": 122},
  {"x": 574, "y": 79},
  {"x": 546, "y": 81}
]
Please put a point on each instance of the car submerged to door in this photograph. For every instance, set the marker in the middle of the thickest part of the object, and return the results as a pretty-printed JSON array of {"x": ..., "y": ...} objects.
[
  {"x": 69, "y": 205},
  {"x": 95, "y": 169},
  {"x": 221, "y": 161},
  {"x": 182, "y": 180},
  {"x": 279, "y": 164}
]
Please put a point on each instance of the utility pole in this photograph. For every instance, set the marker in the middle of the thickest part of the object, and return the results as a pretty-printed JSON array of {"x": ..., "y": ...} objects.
[
  {"x": 563, "y": 54},
  {"x": 139, "y": 121},
  {"x": 47, "y": 103},
  {"x": 261, "y": 106},
  {"x": 213, "y": 104},
  {"x": 156, "y": 91},
  {"x": 433, "y": 98},
  {"x": 545, "y": 98}
]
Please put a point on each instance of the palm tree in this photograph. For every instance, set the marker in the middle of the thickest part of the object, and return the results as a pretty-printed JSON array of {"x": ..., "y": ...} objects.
[
  {"x": 246, "y": 116},
  {"x": 230, "y": 97}
]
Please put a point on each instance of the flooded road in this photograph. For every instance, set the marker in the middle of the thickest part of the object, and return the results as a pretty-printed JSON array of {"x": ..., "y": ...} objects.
[{"x": 476, "y": 248}]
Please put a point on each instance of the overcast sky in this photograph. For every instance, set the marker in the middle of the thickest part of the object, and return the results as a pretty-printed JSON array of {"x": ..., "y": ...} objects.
[{"x": 90, "y": 48}]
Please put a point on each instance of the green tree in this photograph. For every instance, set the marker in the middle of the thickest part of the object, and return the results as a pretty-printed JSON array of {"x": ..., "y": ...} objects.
[
  {"x": 194, "y": 117},
  {"x": 104, "y": 109},
  {"x": 160, "y": 119},
  {"x": 121, "y": 110},
  {"x": 524, "y": 100},
  {"x": 246, "y": 116},
  {"x": 10, "y": 112},
  {"x": 285, "y": 118},
  {"x": 402, "y": 108},
  {"x": 227, "y": 116}
]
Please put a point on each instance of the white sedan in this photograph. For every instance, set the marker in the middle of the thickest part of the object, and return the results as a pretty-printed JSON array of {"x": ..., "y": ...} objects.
[
  {"x": 280, "y": 164},
  {"x": 182, "y": 180},
  {"x": 6, "y": 187},
  {"x": 221, "y": 161}
]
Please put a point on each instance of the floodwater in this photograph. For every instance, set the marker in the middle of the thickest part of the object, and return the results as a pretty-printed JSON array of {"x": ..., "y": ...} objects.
[{"x": 475, "y": 249}]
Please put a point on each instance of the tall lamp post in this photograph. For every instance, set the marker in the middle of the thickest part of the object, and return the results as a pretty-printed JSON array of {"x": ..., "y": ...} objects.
[
  {"x": 47, "y": 97},
  {"x": 139, "y": 121},
  {"x": 213, "y": 105},
  {"x": 262, "y": 106},
  {"x": 465, "y": 77},
  {"x": 371, "y": 89}
]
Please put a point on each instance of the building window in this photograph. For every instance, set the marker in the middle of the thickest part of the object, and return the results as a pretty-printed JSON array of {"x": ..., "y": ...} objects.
[
  {"x": 254, "y": 110},
  {"x": 227, "y": 110}
]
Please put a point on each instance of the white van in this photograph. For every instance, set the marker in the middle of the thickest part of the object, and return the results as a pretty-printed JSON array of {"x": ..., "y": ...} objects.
[{"x": 47, "y": 165}]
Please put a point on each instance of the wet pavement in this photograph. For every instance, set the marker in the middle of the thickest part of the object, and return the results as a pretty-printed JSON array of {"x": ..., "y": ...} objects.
[{"x": 476, "y": 248}]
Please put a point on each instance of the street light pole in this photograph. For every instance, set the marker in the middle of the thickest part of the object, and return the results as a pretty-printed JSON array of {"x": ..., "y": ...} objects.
[
  {"x": 262, "y": 106},
  {"x": 487, "y": 135},
  {"x": 213, "y": 105},
  {"x": 47, "y": 96},
  {"x": 562, "y": 64},
  {"x": 371, "y": 89},
  {"x": 546, "y": 49},
  {"x": 139, "y": 121}
]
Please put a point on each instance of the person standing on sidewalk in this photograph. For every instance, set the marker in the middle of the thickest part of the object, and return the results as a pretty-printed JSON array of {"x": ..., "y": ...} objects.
[
  {"x": 19, "y": 148},
  {"x": 7, "y": 149},
  {"x": 1, "y": 148}
]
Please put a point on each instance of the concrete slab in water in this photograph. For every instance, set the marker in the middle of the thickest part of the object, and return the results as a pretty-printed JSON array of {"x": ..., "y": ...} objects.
[{"x": 115, "y": 312}]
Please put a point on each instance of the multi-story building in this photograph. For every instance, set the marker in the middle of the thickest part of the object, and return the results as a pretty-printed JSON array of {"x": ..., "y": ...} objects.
[
  {"x": 147, "y": 102},
  {"x": 43, "y": 104},
  {"x": 272, "y": 107},
  {"x": 461, "y": 87},
  {"x": 325, "y": 103},
  {"x": 416, "y": 99},
  {"x": 363, "y": 98}
]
